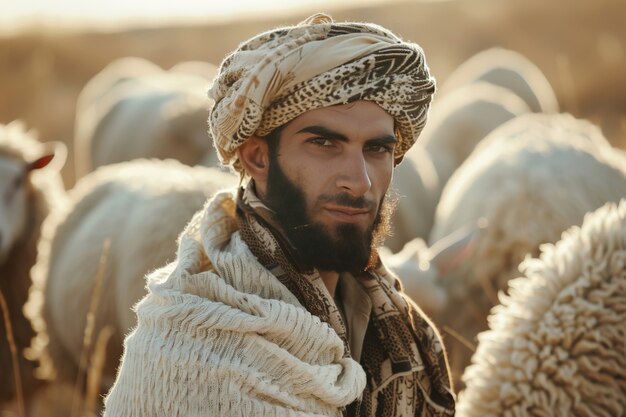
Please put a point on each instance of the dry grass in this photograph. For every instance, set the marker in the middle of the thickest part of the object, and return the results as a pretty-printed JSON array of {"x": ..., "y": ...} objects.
[
  {"x": 78, "y": 407},
  {"x": 84, "y": 396},
  {"x": 16, "y": 365},
  {"x": 94, "y": 371},
  {"x": 459, "y": 338}
]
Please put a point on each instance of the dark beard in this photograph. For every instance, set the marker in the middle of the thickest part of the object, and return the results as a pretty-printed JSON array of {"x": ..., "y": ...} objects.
[{"x": 347, "y": 248}]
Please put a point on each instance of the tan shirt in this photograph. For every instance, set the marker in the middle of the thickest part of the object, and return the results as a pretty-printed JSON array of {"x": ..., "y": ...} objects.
[{"x": 355, "y": 307}]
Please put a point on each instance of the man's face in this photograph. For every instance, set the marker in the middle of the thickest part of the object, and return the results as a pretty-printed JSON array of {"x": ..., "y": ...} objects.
[{"x": 327, "y": 182}]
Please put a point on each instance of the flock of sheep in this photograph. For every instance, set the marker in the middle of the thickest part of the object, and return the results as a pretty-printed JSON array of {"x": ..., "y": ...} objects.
[{"x": 509, "y": 233}]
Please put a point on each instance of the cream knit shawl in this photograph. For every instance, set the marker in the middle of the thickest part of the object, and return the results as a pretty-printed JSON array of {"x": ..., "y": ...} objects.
[{"x": 217, "y": 334}]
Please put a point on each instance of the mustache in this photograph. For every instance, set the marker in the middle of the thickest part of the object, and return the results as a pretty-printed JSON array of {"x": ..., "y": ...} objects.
[
  {"x": 343, "y": 200},
  {"x": 347, "y": 200}
]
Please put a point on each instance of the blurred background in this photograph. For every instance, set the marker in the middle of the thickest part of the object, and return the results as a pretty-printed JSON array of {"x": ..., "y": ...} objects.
[{"x": 50, "y": 49}]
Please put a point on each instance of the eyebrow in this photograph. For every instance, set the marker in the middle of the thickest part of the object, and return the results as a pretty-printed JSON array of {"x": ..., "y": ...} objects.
[{"x": 331, "y": 134}]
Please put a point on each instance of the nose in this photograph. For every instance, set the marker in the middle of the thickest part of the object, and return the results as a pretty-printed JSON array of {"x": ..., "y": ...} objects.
[{"x": 354, "y": 176}]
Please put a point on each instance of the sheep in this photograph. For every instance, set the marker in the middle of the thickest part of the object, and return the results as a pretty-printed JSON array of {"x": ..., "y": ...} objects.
[
  {"x": 508, "y": 69},
  {"x": 122, "y": 70},
  {"x": 530, "y": 179},
  {"x": 416, "y": 185},
  {"x": 460, "y": 120},
  {"x": 203, "y": 69},
  {"x": 30, "y": 186},
  {"x": 141, "y": 206},
  {"x": 158, "y": 114},
  {"x": 556, "y": 346},
  {"x": 418, "y": 267}
]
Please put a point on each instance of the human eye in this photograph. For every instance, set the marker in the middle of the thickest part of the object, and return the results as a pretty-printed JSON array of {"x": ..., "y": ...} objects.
[
  {"x": 321, "y": 141},
  {"x": 380, "y": 148}
]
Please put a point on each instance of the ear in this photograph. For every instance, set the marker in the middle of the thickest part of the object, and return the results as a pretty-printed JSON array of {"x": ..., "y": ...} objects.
[
  {"x": 53, "y": 157},
  {"x": 254, "y": 157},
  {"x": 451, "y": 251}
]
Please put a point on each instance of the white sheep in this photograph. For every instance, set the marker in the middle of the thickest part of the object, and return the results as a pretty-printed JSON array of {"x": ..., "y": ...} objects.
[
  {"x": 158, "y": 114},
  {"x": 457, "y": 122},
  {"x": 417, "y": 187},
  {"x": 508, "y": 69},
  {"x": 460, "y": 119},
  {"x": 119, "y": 71},
  {"x": 557, "y": 344},
  {"x": 530, "y": 179},
  {"x": 30, "y": 186},
  {"x": 202, "y": 69},
  {"x": 142, "y": 206},
  {"x": 96, "y": 94},
  {"x": 419, "y": 267}
]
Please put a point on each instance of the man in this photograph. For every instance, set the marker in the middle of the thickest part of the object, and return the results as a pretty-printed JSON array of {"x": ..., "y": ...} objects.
[{"x": 277, "y": 304}]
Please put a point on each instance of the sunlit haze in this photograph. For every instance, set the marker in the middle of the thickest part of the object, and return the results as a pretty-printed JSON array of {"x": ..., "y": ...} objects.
[{"x": 116, "y": 14}]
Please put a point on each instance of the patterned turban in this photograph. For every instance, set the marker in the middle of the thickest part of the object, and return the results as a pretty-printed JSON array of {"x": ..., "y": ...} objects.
[{"x": 280, "y": 74}]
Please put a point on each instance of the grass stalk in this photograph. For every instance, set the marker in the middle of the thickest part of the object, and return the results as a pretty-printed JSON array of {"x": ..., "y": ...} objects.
[
  {"x": 21, "y": 411},
  {"x": 90, "y": 324},
  {"x": 94, "y": 374},
  {"x": 459, "y": 337}
]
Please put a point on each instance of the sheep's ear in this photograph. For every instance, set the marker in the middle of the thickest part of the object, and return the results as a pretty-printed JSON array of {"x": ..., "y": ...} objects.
[
  {"x": 53, "y": 157},
  {"x": 39, "y": 163},
  {"x": 451, "y": 251}
]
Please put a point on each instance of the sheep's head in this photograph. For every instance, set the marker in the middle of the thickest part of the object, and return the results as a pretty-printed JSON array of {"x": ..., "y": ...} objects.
[
  {"x": 419, "y": 267},
  {"x": 14, "y": 189},
  {"x": 21, "y": 155}
]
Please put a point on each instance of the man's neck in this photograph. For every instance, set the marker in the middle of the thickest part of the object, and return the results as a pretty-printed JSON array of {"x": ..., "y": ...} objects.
[{"x": 330, "y": 278}]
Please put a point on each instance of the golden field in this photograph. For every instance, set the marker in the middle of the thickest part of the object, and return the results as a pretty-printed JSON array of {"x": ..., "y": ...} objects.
[{"x": 580, "y": 46}]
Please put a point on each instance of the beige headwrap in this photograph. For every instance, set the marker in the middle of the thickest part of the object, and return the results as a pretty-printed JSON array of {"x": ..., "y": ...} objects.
[{"x": 280, "y": 74}]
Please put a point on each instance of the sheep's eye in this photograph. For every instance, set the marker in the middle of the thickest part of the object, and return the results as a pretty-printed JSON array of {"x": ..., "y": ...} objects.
[{"x": 18, "y": 181}]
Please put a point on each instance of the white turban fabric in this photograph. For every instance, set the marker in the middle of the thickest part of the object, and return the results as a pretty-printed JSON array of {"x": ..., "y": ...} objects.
[{"x": 280, "y": 74}]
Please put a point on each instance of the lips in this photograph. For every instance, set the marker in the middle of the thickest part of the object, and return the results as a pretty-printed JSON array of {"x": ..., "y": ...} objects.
[{"x": 347, "y": 214}]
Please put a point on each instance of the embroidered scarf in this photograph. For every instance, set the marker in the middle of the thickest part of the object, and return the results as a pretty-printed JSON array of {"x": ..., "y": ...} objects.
[{"x": 402, "y": 354}]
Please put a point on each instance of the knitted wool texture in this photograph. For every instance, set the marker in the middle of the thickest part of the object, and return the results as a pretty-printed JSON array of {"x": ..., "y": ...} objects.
[
  {"x": 280, "y": 74},
  {"x": 226, "y": 335}
]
